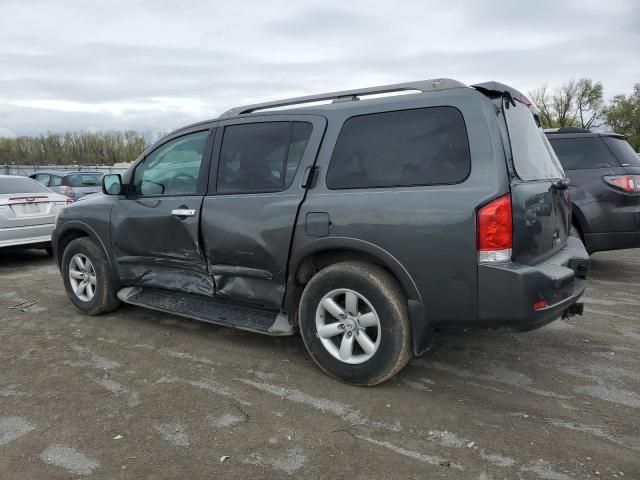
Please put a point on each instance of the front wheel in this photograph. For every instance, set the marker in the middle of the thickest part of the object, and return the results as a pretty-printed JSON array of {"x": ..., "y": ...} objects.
[
  {"x": 354, "y": 323},
  {"x": 88, "y": 278}
]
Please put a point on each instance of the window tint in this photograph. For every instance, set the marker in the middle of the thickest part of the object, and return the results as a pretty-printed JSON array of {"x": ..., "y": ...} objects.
[
  {"x": 173, "y": 168},
  {"x": 533, "y": 157},
  {"x": 426, "y": 146},
  {"x": 21, "y": 185},
  {"x": 261, "y": 157},
  {"x": 623, "y": 151},
  {"x": 583, "y": 153}
]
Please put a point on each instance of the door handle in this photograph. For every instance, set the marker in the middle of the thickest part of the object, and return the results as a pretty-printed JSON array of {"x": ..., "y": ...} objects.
[{"x": 183, "y": 212}]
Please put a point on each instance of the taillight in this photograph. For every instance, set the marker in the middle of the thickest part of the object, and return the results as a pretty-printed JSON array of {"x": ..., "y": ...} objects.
[
  {"x": 626, "y": 183},
  {"x": 69, "y": 201},
  {"x": 68, "y": 191},
  {"x": 495, "y": 231}
]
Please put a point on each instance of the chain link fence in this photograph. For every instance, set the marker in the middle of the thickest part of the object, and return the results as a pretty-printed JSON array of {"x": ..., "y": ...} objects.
[{"x": 27, "y": 170}]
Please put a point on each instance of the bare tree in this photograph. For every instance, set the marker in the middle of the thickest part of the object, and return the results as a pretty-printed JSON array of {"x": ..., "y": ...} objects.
[{"x": 575, "y": 103}]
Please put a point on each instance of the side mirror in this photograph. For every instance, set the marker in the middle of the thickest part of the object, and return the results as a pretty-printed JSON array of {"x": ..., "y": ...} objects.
[{"x": 112, "y": 184}]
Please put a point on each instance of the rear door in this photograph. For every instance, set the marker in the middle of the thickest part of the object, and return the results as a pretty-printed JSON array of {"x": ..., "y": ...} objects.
[
  {"x": 539, "y": 192},
  {"x": 155, "y": 229},
  {"x": 251, "y": 208}
]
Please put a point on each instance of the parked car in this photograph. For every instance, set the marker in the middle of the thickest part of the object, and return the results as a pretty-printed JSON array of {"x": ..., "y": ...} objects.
[
  {"x": 27, "y": 212},
  {"x": 364, "y": 224},
  {"x": 604, "y": 174},
  {"x": 74, "y": 185}
]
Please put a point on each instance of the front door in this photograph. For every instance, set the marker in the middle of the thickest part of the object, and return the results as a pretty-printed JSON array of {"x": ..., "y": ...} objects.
[
  {"x": 155, "y": 229},
  {"x": 250, "y": 211}
]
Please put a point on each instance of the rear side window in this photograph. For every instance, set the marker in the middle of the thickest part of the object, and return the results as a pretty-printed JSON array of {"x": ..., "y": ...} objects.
[
  {"x": 623, "y": 151},
  {"x": 426, "y": 146},
  {"x": 21, "y": 185},
  {"x": 261, "y": 157},
  {"x": 583, "y": 153}
]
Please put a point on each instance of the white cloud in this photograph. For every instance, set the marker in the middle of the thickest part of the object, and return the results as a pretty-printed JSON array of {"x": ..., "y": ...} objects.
[{"x": 157, "y": 65}]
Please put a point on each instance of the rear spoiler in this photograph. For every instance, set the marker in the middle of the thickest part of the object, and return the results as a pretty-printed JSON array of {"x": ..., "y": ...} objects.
[{"x": 497, "y": 89}]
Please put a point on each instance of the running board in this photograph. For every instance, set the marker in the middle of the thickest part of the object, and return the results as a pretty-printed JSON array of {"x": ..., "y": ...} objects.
[{"x": 199, "y": 307}]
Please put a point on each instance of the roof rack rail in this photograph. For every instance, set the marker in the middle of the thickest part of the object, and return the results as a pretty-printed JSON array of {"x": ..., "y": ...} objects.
[{"x": 351, "y": 95}]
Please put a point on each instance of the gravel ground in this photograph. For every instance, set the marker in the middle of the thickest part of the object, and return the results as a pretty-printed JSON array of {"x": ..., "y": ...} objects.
[{"x": 142, "y": 395}]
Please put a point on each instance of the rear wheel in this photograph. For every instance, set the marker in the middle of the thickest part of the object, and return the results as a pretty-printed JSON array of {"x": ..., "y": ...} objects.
[
  {"x": 354, "y": 323},
  {"x": 88, "y": 278}
]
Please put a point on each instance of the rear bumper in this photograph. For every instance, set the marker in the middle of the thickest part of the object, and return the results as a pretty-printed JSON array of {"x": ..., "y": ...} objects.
[
  {"x": 598, "y": 242},
  {"x": 507, "y": 292},
  {"x": 14, "y": 236}
]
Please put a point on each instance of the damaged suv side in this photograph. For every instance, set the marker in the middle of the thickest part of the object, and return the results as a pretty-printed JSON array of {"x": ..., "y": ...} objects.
[{"x": 363, "y": 224}]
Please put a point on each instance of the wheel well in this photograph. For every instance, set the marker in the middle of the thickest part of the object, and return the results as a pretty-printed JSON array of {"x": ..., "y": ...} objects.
[
  {"x": 66, "y": 238},
  {"x": 315, "y": 262}
]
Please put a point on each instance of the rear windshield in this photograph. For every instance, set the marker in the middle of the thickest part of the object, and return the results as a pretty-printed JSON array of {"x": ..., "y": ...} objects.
[
  {"x": 583, "y": 153},
  {"x": 21, "y": 185},
  {"x": 623, "y": 151},
  {"x": 82, "y": 180},
  {"x": 533, "y": 157}
]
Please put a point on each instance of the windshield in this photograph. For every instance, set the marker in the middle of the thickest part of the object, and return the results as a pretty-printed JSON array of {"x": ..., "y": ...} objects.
[
  {"x": 533, "y": 157},
  {"x": 82, "y": 180},
  {"x": 623, "y": 151},
  {"x": 21, "y": 185}
]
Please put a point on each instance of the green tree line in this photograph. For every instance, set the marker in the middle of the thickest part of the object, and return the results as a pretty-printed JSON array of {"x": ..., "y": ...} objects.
[{"x": 82, "y": 148}]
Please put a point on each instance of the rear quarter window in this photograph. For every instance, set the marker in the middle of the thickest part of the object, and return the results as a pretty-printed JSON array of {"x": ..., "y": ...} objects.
[
  {"x": 583, "y": 153},
  {"x": 426, "y": 146}
]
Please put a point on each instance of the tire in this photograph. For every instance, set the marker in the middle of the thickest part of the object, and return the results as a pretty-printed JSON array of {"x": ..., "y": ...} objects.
[
  {"x": 387, "y": 342},
  {"x": 100, "y": 296}
]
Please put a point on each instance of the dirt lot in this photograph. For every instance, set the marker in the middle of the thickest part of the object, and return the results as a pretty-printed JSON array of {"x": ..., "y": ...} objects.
[{"x": 137, "y": 394}]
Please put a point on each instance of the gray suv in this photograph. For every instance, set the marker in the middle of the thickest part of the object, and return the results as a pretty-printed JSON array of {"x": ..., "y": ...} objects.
[
  {"x": 604, "y": 173},
  {"x": 365, "y": 223}
]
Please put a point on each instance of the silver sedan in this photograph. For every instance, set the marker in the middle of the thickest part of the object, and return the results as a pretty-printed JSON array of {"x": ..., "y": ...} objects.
[{"x": 28, "y": 212}]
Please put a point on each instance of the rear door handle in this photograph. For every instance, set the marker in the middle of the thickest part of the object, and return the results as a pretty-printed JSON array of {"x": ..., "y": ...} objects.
[{"x": 183, "y": 212}]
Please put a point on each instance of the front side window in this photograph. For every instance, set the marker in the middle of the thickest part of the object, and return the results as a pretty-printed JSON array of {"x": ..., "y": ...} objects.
[
  {"x": 173, "y": 168},
  {"x": 55, "y": 181},
  {"x": 583, "y": 153},
  {"x": 261, "y": 157},
  {"x": 426, "y": 146}
]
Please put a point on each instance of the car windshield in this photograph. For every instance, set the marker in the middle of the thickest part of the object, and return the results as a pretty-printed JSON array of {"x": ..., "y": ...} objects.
[
  {"x": 533, "y": 157},
  {"x": 21, "y": 185},
  {"x": 82, "y": 180},
  {"x": 623, "y": 151}
]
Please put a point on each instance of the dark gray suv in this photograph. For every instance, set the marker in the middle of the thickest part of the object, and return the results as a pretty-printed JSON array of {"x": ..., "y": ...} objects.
[
  {"x": 604, "y": 173},
  {"x": 364, "y": 223}
]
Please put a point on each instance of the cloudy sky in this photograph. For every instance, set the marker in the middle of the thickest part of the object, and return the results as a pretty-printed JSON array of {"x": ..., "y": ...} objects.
[{"x": 159, "y": 64}]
